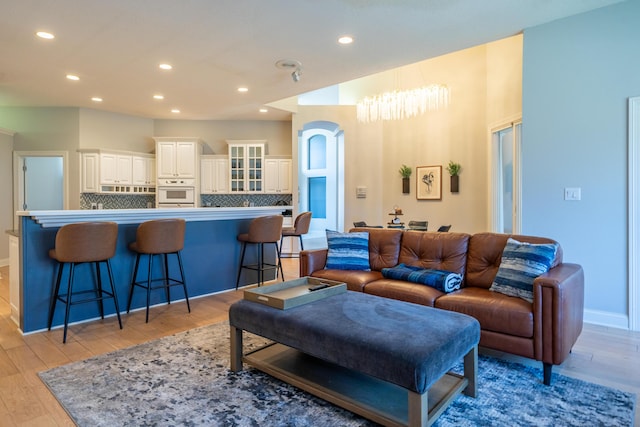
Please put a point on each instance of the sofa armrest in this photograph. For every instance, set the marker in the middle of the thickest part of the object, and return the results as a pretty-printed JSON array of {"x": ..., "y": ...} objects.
[
  {"x": 558, "y": 305},
  {"x": 312, "y": 260}
]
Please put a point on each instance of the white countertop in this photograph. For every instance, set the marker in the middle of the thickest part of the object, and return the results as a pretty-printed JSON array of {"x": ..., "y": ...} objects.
[{"x": 136, "y": 216}]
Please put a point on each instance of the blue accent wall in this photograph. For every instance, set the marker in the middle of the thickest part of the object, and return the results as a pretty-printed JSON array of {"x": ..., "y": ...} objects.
[{"x": 578, "y": 75}]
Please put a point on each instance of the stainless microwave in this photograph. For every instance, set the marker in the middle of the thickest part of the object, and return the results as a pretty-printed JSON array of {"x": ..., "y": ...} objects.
[{"x": 176, "y": 195}]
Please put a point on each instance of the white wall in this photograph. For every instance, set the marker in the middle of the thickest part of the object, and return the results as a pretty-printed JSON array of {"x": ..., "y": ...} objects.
[
  {"x": 215, "y": 133},
  {"x": 578, "y": 74},
  {"x": 102, "y": 129},
  {"x": 485, "y": 84},
  {"x": 47, "y": 129},
  {"x": 363, "y": 161}
]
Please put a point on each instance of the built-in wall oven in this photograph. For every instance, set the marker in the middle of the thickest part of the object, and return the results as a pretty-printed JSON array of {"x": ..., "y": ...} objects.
[{"x": 176, "y": 193}]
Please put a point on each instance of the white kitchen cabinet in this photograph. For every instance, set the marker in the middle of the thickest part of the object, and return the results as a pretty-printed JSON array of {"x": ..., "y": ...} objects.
[
  {"x": 144, "y": 170},
  {"x": 108, "y": 171},
  {"x": 246, "y": 166},
  {"x": 90, "y": 172},
  {"x": 115, "y": 169},
  {"x": 177, "y": 159},
  {"x": 277, "y": 175},
  {"x": 214, "y": 174}
]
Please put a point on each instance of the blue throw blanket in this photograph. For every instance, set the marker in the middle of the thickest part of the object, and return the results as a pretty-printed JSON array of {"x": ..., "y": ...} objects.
[{"x": 444, "y": 281}]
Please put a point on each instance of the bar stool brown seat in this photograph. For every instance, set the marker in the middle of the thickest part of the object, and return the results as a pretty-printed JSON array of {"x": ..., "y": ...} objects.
[
  {"x": 84, "y": 242},
  {"x": 159, "y": 237},
  {"x": 300, "y": 227},
  {"x": 262, "y": 230}
]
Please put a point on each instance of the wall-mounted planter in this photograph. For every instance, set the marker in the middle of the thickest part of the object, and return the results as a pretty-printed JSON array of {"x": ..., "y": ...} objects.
[
  {"x": 455, "y": 181},
  {"x": 406, "y": 185}
]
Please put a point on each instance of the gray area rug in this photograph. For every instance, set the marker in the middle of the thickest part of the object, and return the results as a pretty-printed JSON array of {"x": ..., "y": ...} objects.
[{"x": 184, "y": 379}]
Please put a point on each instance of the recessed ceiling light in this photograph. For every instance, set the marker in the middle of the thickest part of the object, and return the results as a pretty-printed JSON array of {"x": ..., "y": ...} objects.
[
  {"x": 45, "y": 35},
  {"x": 345, "y": 40},
  {"x": 263, "y": 110},
  {"x": 243, "y": 89},
  {"x": 165, "y": 66},
  {"x": 158, "y": 96},
  {"x": 73, "y": 77},
  {"x": 96, "y": 99},
  {"x": 175, "y": 111}
]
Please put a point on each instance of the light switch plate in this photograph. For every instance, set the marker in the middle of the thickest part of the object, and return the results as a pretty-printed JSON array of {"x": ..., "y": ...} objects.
[
  {"x": 361, "y": 192},
  {"x": 572, "y": 193}
]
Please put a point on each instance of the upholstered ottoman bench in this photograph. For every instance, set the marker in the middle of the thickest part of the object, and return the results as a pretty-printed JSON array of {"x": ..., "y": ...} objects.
[{"x": 384, "y": 359}]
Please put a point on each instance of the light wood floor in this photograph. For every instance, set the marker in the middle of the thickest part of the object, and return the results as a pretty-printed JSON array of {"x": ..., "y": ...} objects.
[{"x": 602, "y": 355}]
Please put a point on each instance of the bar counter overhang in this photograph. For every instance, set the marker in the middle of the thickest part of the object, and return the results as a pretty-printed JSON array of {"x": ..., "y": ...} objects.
[{"x": 211, "y": 256}]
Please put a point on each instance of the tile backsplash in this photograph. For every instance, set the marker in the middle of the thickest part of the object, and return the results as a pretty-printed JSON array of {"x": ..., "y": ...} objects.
[
  {"x": 137, "y": 201},
  {"x": 117, "y": 201},
  {"x": 234, "y": 200}
]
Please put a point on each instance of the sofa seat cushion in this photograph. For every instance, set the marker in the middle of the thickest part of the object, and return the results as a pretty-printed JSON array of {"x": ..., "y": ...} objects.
[
  {"x": 355, "y": 279},
  {"x": 495, "y": 311},
  {"x": 403, "y": 291}
]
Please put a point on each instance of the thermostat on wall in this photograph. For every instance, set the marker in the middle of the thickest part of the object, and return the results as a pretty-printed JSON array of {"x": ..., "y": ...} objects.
[{"x": 361, "y": 192}]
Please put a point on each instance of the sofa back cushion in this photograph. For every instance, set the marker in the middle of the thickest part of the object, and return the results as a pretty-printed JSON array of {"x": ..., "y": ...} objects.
[
  {"x": 438, "y": 251},
  {"x": 485, "y": 254},
  {"x": 384, "y": 246}
]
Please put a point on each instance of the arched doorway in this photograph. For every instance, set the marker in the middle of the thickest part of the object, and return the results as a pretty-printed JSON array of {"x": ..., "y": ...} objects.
[{"x": 321, "y": 178}]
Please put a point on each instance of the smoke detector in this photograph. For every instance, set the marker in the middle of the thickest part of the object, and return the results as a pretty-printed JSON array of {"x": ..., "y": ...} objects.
[{"x": 293, "y": 65}]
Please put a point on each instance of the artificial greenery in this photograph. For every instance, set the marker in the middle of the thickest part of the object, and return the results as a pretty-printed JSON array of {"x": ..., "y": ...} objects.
[
  {"x": 454, "y": 168},
  {"x": 405, "y": 171}
]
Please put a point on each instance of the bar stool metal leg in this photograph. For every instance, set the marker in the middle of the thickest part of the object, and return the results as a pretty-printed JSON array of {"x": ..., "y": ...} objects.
[
  {"x": 134, "y": 280},
  {"x": 113, "y": 292},
  {"x": 54, "y": 296},
  {"x": 184, "y": 281},
  {"x": 99, "y": 291},
  {"x": 149, "y": 287},
  {"x": 68, "y": 301},
  {"x": 244, "y": 248}
]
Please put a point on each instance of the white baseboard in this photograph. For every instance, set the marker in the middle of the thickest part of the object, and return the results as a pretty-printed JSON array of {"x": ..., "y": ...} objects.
[{"x": 606, "y": 318}]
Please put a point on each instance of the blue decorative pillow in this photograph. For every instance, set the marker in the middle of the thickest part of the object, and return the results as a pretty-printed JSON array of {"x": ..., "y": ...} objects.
[
  {"x": 348, "y": 251},
  {"x": 444, "y": 281},
  {"x": 521, "y": 263}
]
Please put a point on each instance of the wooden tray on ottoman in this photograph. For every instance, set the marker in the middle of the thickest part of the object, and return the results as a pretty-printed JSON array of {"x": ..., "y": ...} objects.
[{"x": 295, "y": 292}]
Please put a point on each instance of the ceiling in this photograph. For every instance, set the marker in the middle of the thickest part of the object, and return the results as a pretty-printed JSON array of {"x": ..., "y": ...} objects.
[{"x": 216, "y": 46}]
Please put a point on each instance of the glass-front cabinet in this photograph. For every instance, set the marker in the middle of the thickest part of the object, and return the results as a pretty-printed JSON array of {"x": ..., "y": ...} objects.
[{"x": 246, "y": 166}]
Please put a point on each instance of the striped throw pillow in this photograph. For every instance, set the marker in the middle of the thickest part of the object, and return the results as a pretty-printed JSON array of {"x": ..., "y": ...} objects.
[
  {"x": 348, "y": 251},
  {"x": 521, "y": 263}
]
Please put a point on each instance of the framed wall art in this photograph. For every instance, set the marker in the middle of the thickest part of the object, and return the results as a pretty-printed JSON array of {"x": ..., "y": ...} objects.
[{"x": 429, "y": 182}]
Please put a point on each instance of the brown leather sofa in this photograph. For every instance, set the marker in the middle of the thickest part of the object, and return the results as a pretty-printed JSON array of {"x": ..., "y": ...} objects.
[{"x": 544, "y": 330}]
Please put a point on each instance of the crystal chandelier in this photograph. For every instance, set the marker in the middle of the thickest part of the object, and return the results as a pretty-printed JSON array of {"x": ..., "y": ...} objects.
[{"x": 398, "y": 105}]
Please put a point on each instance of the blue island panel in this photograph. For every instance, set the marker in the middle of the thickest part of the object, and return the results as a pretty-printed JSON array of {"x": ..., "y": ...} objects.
[{"x": 211, "y": 256}]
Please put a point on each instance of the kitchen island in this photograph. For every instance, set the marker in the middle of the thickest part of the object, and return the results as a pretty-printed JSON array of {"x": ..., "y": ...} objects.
[{"x": 211, "y": 256}]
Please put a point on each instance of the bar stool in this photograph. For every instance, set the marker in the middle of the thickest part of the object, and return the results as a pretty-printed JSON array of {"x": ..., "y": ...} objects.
[
  {"x": 266, "y": 229},
  {"x": 85, "y": 242},
  {"x": 300, "y": 227},
  {"x": 159, "y": 237}
]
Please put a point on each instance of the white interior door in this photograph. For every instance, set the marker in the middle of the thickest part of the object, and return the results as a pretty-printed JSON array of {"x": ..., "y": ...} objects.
[
  {"x": 43, "y": 183},
  {"x": 40, "y": 181}
]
